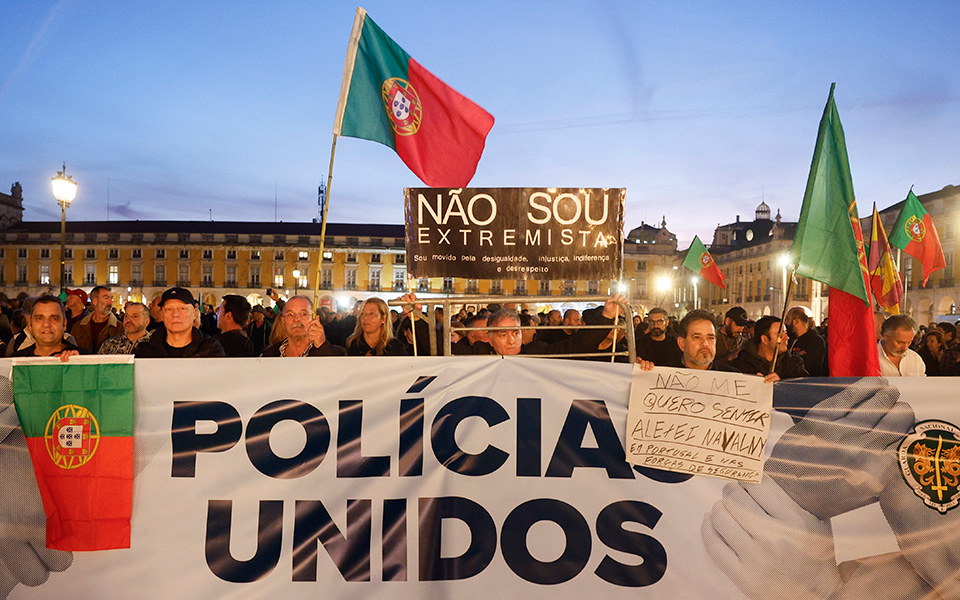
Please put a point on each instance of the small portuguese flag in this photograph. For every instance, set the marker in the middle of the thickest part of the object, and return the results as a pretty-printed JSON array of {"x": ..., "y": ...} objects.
[
  {"x": 700, "y": 262},
  {"x": 915, "y": 234},
  {"x": 388, "y": 97},
  {"x": 78, "y": 421}
]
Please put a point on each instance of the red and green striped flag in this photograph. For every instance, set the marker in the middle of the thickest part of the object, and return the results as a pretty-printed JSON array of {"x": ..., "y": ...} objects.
[
  {"x": 78, "y": 421},
  {"x": 700, "y": 262},
  {"x": 828, "y": 247},
  {"x": 388, "y": 97},
  {"x": 915, "y": 234},
  {"x": 884, "y": 277}
]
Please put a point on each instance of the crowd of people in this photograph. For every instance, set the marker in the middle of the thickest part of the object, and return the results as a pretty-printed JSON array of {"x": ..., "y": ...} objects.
[{"x": 175, "y": 326}]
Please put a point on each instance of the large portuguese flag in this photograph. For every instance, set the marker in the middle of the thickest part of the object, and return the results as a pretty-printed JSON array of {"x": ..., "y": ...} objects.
[
  {"x": 701, "y": 262},
  {"x": 78, "y": 421},
  {"x": 388, "y": 97},
  {"x": 915, "y": 234}
]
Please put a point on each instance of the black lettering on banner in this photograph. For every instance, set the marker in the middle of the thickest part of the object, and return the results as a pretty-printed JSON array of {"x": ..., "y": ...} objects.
[
  {"x": 483, "y": 538},
  {"x": 570, "y": 453},
  {"x": 350, "y": 552},
  {"x": 394, "y": 539},
  {"x": 217, "y": 546},
  {"x": 443, "y": 436},
  {"x": 528, "y": 437},
  {"x": 258, "y": 439},
  {"x": 411, "y": 437},
  {"x": 611, "y": 532},
  {"x": 187, "y": 443},
  {"x": 576, "y": 551},
  {"x": 350, "y": 459}
]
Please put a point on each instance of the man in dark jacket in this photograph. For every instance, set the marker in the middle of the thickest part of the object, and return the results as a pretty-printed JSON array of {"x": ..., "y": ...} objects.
[
  {"x": 232, "y": 315},
  {"x": 768, "y": 339},
  {"x": 177, "y": 337}
]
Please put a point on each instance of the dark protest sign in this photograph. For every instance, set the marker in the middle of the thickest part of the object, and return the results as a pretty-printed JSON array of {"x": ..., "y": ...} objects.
[{"x": 515, "y": 233}]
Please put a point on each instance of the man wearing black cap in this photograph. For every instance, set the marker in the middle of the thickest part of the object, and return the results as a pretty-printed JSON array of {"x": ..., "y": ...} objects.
[
  {"x": 178, "y": 338},
  {"x": 729, "y": 338}
]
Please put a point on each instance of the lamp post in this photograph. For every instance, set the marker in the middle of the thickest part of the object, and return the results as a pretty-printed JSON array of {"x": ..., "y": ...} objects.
[
  {"x": 296, "y": 282},
  {"x": 64, "y": 190}
]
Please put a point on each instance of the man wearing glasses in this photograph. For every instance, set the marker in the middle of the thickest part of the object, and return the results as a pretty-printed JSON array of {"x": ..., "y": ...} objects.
[
  {"x": 305, "y": 334},
  {"x": 177, "y": 337},
  {"x": 658, "y": 346}
]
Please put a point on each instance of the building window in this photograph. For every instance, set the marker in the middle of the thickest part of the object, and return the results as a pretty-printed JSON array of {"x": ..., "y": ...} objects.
[
  {"x": 208, "y": 255},
  {"x": 375, "y": 258},
  {"x": 374, "y": 280},
  {"x": 569, "y": 287},
  {"x": 447, "y": 285},
  {"x": 399, "y": 259},
  {"x": 254, "y": 276},
  {"x": 641, "y": 288},
  {"x": 113, "y": 253},
  {"x": 68, "y": 274},
  {"x": 303, "y": 281},
  {"x": 230, "y": 280},
  {"x": 136, "y": 253},
  {"x": 473, "y": 286},
  {"x": 496, "y": 287},
  {"x": 136, "y": 274},
  {"x": 91, "y": 254},
  {"x": 279, "y": 255},
  {"x": 160, "y": 274},
  {"x": 161, "y": 253},
  {"x": 327, "y": 256},
  {"x": 207, "y": 275},
  {"x": 399, "y": 279},
  {"x": 544, "y": 288},
  {"x": 520, "y": 288},
  {"x": 351, "y": 257},
  {"x": 593, "y": 288},
  {"x": 90, "y": 275},
  {"x": 326, "y": 278},
  {"x": 183, "y": 275},
  {"x": 44, "y": 274},
  {"x": 254, "y": 255},
  {"x": 423, "y": 284},
  {"x": 231, "y": 255},
  {"x": 113, "y": 274},
  {"x": 278, "y": 277},
  {"x": 68, "y": 254},
  {"x": 350, "y": 276},
  {"x": 21, "y": 274},
  {"x": 44, "y": 252},
  {"x": 21, "y": 252},
  {"x": 185, "y": 254},
  {"x": 303, "y": 255}
]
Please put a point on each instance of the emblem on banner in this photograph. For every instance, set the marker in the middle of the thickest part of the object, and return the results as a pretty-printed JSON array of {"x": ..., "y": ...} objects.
[
  {"x": 71, "y": 436},
  {"x": 915, "y": 229},
  {"x": 705, "y": 259},
  {"x": 930, "y": 463},
  {"x": 403, "y": 105}
]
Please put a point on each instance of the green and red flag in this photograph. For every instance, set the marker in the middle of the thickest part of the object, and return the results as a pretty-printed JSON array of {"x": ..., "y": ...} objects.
[
  {"x": 700, "y": 262},
  {"x": 388, "y": 97},
  {"x": 77, "y": 418},
  {"x": 829, "y": 248},
  {"x": 915, "y": 234},
  {"x": 884, "y": 277}
]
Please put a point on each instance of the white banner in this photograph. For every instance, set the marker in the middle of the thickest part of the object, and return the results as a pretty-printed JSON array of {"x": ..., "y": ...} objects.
[{"x": 489, "y": 478}]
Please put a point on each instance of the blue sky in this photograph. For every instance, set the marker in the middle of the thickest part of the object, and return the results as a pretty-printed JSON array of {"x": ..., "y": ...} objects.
[{"x": 183, "y": 110}]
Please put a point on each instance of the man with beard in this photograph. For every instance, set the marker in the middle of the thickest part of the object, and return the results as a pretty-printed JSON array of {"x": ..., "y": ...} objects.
[
  {"x": 697, "y": 339},
  {"x": 769, "y": 339},
  {"x": 101, "y": 324},
  {"x": 896, "y": 357},
  {"x": 658, "y": 346},
  {"x": 729, "y": 337},
  {"x": 305, "y": 333},
  {"x": 135, "y": 318},
  {"x": 807, "y": 343}
]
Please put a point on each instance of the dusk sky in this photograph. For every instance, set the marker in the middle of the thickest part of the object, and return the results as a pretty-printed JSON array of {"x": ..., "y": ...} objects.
[{"x": 183, "y": 110}]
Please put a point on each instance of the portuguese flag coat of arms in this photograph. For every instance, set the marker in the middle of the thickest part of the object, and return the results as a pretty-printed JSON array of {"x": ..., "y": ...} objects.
[
  {"x": 388, "y": 97},
  {"x": 700, "y": 262},
  {"x": 77, "y": 418},
  {"x": 915, "y": 234}
]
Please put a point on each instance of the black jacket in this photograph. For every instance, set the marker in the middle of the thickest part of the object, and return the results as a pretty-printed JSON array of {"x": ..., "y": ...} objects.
[
  {"x": 201, "y": 346},
  {"x": 750, "y": 362}
]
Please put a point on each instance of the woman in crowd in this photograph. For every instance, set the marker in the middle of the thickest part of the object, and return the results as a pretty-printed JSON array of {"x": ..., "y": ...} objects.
[{"x": 373, "y": 335}]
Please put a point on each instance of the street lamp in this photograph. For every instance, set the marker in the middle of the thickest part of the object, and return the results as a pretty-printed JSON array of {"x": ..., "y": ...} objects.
[
  {"x": 696, "y": 300},
  {"x": 64, "y": 190},
  {"x": 296, "y": 281}
]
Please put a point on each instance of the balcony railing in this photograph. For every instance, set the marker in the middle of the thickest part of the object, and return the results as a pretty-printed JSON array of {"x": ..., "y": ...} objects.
[{"x": 160, "y": 282}]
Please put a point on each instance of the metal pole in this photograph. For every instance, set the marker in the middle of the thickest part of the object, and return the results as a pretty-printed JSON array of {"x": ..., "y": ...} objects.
[
  {"x": 323, "y": 226},
  {"x": 63, "y": 247}
]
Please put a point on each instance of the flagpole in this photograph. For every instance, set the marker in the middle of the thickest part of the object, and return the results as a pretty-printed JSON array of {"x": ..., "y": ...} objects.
[
  {"x": 783, "y": 314},
  {"x": 323, "y": 226}
]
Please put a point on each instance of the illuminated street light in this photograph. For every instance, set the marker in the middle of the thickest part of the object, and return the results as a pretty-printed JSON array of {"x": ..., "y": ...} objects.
[
  {"x": 64, "y": 190},
  {"x": 296, "y": 281}
]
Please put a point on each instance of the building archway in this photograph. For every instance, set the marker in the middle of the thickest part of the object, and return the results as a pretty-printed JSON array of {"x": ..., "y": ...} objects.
[{"x": 946, "y": 306}]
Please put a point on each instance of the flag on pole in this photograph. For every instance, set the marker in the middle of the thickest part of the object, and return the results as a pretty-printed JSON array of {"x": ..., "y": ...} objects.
[
  {"x": 700, "y": 262},
  {"x": 388, "y": 97},
  {"x": 884, "y": 277},
  {"x": 77, "y": 418},
  {"x": 829, "y": 248},
  {"x": 915, "y": 234}
]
